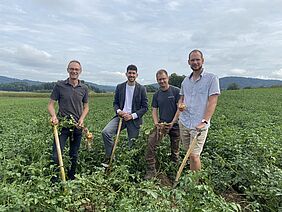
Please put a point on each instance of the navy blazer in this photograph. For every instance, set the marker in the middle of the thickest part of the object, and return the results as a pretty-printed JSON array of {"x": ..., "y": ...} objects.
[{"x": 139, "y": 101}]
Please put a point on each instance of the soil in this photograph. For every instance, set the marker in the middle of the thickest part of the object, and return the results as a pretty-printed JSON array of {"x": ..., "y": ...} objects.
[
  {"x": 233, "y": 196},
  {"x": 88, "y": 207},
  {"x": 164, "y": 180}
]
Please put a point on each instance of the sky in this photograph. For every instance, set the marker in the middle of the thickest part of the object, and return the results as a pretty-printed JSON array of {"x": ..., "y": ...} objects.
[{"x": 238, "y": 38}]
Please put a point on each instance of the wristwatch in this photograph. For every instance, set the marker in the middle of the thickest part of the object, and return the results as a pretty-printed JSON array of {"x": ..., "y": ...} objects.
[{"x": 204, "y": 121}]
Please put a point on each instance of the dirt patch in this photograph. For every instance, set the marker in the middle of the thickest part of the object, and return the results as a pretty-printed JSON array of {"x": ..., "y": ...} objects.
[
  {"x": 233, "y": 196},
  {"x": 164, "y": 180},
  {"x": 88, "y": 207}
]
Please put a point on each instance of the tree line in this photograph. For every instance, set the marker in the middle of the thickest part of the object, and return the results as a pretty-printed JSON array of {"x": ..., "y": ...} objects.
[
  {"x": 174, "y": 79},
  {"x": 43, "y": 87}
]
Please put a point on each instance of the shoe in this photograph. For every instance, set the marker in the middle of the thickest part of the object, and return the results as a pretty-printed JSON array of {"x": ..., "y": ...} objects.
[
  {"x": 150, "y": 174},
  {"x": 54, "y": 179},
  {"x": 106, "y": 162},
  {"x": 71, "y": 176}
]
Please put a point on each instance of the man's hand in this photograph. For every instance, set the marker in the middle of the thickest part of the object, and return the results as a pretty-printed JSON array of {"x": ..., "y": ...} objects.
[
  {"x": 127, "y": 117},
  {"x": 200, "y": 126},
  {"x": 157, "y": 125},
  {"x": 165, "y": 127},
  {"x": 80, "y": 123},
  {"x": 181, "y": 107},
  {"x": 121, "y": 114},
  {"x": 168, "y": 126},
  {"x": 54, "y": 120}
]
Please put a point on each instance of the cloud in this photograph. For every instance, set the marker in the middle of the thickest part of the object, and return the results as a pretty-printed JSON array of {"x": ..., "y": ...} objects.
[
  {"x": 173, "y": 5},
  {"x": 277, "y": 74},
  {"x": 105, "y": 77},
  {"x": 31, "y": 56},
  {"x": 238, "y": 72}
]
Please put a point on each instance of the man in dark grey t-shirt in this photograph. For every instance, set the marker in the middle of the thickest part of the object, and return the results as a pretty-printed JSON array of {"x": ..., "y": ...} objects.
[
  {"x": 165, "y": 115},
  {"x": 72, "y": 97}
]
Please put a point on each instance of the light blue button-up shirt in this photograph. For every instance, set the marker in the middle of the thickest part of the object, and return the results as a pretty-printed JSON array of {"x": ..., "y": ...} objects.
[{"x": 196, "y": 94}]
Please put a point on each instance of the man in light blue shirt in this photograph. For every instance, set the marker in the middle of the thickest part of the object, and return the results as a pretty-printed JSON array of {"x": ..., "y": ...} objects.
[{"x": 198, "y": 99}]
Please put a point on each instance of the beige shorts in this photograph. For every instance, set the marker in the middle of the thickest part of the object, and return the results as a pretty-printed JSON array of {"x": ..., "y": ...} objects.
[{"x": 187, "y": 136}]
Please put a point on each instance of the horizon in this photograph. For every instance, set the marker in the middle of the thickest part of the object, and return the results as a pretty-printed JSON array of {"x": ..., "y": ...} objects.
[{"x": 137, "y": 80}]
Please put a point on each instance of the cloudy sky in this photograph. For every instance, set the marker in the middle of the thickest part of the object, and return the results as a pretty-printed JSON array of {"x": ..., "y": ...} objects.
[{"x": 238, "y": 38}]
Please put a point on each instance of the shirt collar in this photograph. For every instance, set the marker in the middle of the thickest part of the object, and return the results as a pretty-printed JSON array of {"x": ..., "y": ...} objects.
[
  {"x": 67, "y": 81},
  {"x": 202, "y": 73}
]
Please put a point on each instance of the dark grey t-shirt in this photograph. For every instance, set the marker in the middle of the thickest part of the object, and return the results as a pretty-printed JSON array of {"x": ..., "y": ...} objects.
[
  {"x": 70, "y": 98},
  {"x": 166, "y": 102}
]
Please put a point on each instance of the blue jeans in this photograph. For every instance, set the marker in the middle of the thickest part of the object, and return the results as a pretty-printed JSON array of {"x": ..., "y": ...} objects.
[
  {"x": 75, "y": 138},
  {"x": 110, "y": 131}
]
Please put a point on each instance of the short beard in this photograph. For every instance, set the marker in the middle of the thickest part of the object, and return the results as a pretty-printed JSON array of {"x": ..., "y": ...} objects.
[{"x": 199, "y": 69}]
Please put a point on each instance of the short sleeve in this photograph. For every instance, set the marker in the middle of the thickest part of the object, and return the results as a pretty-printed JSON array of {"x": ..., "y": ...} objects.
[
  {"x": 181, "y": 92},
  {"x": 214, "y": 87},
  {"x": 55, "y": 93},
  {"x": 177, "y": 94},
  {"x": 154, "y": 100},
  {"x": 85, "y": 97}
]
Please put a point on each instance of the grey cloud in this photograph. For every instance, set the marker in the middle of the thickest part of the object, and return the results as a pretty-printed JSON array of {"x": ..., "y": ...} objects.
[{"x": 28, "y": 55}]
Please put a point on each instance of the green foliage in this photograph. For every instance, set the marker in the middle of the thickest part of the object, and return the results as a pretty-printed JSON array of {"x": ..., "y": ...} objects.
[
  {"x": 233, "y": 86},
  {"x": 242, "y": 155},
  {"x": 176, "y": 80},
  {"x": 151, "y": 88}
]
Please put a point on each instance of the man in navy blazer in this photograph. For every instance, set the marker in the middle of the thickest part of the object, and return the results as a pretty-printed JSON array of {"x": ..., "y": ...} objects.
[{"x": 130, "y": 104}]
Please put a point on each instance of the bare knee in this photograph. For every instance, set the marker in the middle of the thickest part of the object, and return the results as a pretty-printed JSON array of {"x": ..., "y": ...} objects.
[{"x": 195, "y": 158}]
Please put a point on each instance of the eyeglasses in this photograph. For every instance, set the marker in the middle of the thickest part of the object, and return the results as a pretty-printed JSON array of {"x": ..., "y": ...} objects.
[{"x": 74, "y": 69}]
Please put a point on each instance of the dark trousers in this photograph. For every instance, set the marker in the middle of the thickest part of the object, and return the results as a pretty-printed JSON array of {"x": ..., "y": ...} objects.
[
  {"x": 75, "y": 139},
  {"x": 154, "y": 141}
]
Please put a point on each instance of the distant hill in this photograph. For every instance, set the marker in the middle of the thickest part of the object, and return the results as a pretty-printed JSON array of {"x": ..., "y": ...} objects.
[
  {"x": 106, "y": 88},
  {"x": 243, "y": 82},
  {"x": 8, "y": 80}
]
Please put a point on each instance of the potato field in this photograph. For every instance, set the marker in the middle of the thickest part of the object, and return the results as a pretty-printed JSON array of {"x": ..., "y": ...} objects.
[{"x": 241, "y": 161}]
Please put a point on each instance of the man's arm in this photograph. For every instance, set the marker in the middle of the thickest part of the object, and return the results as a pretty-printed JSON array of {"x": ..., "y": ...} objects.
[
  {"x": 181, "y": 106},
  {"x": 212, "y": 102},
  {"x": 83, "y": 115},
  {"x": 155, "y": 116},
  {"x": 181, "y": 100},
  {"x": 211, "y": 105},
  {"x": 175, "y": 118},
  {"x": 52, "y": 112},
  {"x": 144, "y": 103},
  {"x": 116, "y": 99},
  {"x": 116, "y": 102},
  {"x": 177, "y": 113}
]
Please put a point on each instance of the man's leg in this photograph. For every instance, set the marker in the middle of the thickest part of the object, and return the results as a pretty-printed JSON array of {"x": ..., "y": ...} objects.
[
  {"x": 195, "y": 161},
  {"x": 174, "y": 135},
  {"x": 63, "y": 139},
  {"x": 108, "y": 133},
  {"x": 74, "y": 147},
  {"x": 150, "y": 156},
  {"x": 132, "y": 132}
]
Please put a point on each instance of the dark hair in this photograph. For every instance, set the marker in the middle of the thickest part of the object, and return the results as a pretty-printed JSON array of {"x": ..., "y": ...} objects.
[
  {"x": 131, "y": 67},
  {"x": 161, "y": 71},
  {"x": 74, "y": 61},
  {"x": 195, "y": 50}
]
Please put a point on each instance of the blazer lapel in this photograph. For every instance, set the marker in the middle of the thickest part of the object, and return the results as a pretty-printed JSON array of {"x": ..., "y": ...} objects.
[
  {"x": 123, "y": 94},
  {"x": 135, "y": 94}
]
